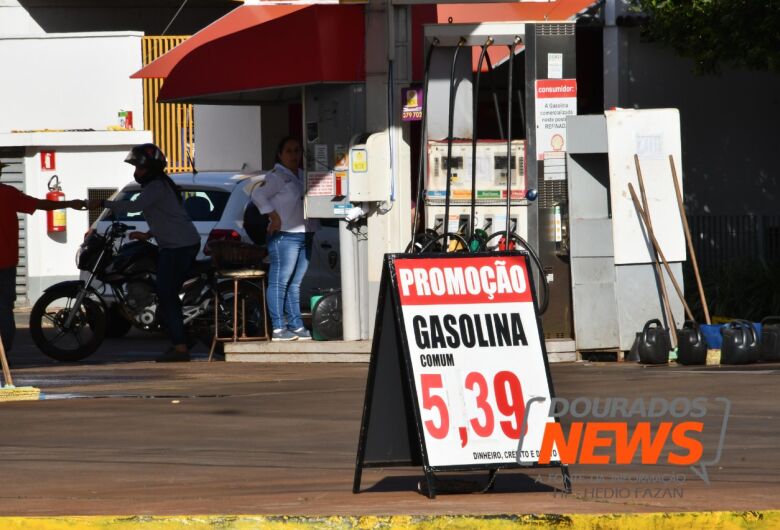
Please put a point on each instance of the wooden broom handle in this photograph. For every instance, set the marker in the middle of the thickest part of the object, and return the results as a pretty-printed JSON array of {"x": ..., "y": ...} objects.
[
  {"x": 689, "y": 241},
  {"x": 6, "y": 371},
  {"x": 664, "y": 295},
  {"x": 660, "y": 252}
]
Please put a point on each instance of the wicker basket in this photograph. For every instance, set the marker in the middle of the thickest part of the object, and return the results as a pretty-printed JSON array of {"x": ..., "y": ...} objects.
[{"x": 234, "y": 254}]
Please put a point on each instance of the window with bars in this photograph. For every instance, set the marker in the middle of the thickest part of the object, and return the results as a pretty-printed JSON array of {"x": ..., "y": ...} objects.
[{"x": 98, "y": 193}]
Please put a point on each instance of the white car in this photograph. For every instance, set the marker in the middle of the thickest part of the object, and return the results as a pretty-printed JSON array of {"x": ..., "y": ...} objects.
[{"x": 220, "y": 206}]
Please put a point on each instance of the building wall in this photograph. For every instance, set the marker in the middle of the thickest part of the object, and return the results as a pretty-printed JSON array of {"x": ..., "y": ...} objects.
[
  {"x": 729, "y": 127},
  {"x": 15, "y": 20},
  {"x": 68, "y": 82},
  {"x": 228, "y": 138},
  {"x": 73, "y": 81},
  {"x": 51, "y": 256}
]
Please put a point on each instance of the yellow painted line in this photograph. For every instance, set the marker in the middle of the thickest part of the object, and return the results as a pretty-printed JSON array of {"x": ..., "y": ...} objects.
[{"x": 769, "y": 519}]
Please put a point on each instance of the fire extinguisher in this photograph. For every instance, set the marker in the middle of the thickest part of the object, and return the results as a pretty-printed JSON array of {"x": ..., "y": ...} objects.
[{"x": 56, "y": 220}]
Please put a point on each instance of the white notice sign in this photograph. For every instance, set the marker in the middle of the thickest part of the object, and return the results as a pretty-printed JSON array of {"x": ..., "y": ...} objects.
[
  {"x": 321, "y": 157},
  {"x": 320, "y": 183},
  {"x": 555, "y": 65},
  {"x": 476, "y": 356},
  {"x": 555, "y": 99}
]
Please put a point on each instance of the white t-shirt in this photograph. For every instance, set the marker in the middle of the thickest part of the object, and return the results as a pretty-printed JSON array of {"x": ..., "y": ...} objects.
[{"x": 282, "y": 192}]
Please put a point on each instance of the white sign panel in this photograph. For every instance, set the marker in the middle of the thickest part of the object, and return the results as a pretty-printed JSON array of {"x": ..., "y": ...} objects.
[
  {"x": 653, "y": 135},
  {"x": 476, "y": 356},
  {"x": 321, "y": 183},
  {"x": 555, "y": 65},
  {"x": 320, "y": 157},
  {"x": 555, "y": 99}
]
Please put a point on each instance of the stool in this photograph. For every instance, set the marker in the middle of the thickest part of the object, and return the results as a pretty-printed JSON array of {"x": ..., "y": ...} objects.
[{"x": 237, "y": 276}]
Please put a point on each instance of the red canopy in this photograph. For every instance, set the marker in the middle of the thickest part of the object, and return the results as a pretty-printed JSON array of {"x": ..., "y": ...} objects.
[
  {"x": 257, "y": 47},
  {"x": 236, "y": 20}
]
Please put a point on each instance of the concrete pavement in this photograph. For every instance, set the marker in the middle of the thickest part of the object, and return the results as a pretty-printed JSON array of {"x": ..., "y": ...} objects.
[{"x": 122, "y": 435}]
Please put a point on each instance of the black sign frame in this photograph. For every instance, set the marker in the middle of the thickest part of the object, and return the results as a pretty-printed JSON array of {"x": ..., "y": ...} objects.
[{"x": 398, "y": 440}]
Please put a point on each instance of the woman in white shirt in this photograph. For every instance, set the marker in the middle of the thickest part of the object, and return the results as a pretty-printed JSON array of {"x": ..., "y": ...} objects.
[{"x": 289, "y": 241}]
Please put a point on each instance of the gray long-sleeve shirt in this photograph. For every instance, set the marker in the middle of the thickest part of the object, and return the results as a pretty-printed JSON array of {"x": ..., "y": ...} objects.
[{"x": 168, "y": 221}]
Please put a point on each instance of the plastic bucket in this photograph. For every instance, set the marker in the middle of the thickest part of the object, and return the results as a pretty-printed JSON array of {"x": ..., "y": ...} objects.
[
  {"x": 714, "y": 339},
  {"x": 712, "y": 335}
]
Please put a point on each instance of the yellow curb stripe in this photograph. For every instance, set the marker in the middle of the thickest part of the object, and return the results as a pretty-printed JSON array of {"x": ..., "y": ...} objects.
[{"x": 636, "y": 521}]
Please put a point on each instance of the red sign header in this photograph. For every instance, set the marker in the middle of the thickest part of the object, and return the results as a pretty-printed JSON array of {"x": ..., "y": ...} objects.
[
  {"x": 556, "y": 88},
  {"x": 463, "y": 280}
]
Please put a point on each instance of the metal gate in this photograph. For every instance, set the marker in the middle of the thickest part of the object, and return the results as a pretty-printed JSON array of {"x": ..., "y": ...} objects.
[
  {"x": 172, "y": 124},
  {"x": 13, "y": 175}
]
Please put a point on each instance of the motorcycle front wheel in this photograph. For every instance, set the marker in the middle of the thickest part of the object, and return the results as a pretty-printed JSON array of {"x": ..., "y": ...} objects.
[{"x": 76, "y": 341}]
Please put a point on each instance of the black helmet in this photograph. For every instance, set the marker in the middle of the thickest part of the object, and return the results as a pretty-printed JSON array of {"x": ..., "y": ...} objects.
[{"x": 147, "y": 155}]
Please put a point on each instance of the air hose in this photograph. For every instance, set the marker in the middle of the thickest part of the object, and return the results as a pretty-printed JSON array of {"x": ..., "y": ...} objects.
[
  {"x": 450, "y": 132},
  {"x": 545, "y": 298},
  {"x": 474, "y": 240},
  {"x": 413, "y": 243}
]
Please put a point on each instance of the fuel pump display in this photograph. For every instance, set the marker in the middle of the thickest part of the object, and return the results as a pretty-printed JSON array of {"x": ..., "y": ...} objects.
[{"x": 490, "y": 196}]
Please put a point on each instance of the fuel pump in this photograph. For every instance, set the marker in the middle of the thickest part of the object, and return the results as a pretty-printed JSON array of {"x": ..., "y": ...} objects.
[
  {"x": 475, "y": 199},
  {"x": 56, "y": 220},
  {"x": 476, "y": 196}
]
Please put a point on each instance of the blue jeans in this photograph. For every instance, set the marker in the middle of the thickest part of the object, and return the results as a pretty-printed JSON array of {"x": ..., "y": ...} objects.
[
  {"x": 7, "y": 298},
  {"x": 289, "y": 254},
  {"x": 172, "y": 267}
]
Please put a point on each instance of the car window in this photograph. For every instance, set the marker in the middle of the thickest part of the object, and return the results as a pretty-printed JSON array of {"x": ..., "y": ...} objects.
[
  {"x": 205, "y": 205},
  {"x": 201, "y": 205}
]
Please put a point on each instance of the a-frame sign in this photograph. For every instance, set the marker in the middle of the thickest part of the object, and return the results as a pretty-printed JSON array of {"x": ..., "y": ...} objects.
[{"x": 456, "y": 358}]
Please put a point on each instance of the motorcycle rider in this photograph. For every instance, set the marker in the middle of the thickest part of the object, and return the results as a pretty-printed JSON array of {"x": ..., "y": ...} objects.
[{"x": 160, "y": 201}]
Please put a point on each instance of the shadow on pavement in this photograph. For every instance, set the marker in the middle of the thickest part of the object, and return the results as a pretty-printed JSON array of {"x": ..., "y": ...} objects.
[
  {"x": 505, "y": 482},
  {"x": 136, "y": 346}
]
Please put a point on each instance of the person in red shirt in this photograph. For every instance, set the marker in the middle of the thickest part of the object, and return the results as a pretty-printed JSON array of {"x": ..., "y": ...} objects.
[{"x": 13, "y": 201}]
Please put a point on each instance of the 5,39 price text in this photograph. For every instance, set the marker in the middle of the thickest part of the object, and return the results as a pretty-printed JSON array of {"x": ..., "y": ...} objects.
[{"x": 500, "y": 403}]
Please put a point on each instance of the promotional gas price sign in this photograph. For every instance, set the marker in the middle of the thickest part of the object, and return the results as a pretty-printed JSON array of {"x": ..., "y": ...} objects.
[{"x": 460, "y": 337}]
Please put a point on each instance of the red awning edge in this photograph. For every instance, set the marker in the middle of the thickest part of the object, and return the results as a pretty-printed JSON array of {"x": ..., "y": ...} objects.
[
  {"x": 310, "y": 44},
  {"x": 239, "y": 19}
]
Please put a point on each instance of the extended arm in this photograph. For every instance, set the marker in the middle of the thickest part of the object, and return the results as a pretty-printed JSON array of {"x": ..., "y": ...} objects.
[{"x": 44, "y": 204}]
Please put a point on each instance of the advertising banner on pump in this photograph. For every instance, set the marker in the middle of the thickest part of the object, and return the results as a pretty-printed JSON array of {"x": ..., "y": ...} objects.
[{"x": 476, "y": 357}]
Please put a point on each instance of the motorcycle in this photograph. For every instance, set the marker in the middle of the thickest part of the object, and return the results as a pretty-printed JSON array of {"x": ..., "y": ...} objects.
[{"x": 71, "y": 319}]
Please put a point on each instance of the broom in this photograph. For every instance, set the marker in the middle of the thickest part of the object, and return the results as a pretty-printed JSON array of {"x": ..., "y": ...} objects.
[
  {"x": 11, "y": 393},
  {"x": 667, "y": 305}
]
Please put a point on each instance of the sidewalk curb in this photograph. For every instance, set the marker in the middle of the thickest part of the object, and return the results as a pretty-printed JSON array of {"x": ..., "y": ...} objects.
[{"x": 634, "y": 521}]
